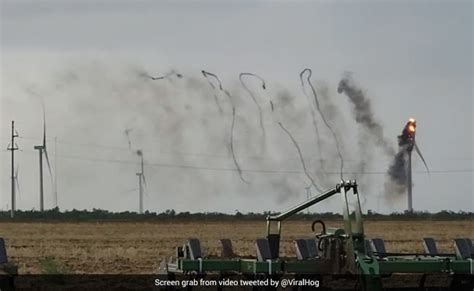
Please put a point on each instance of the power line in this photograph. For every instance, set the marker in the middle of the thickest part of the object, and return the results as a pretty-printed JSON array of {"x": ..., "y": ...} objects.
[
  {"x": 224, "y": 156},
  {"x": 224, "y": 169},
  {"x": 128, "y": 149}
]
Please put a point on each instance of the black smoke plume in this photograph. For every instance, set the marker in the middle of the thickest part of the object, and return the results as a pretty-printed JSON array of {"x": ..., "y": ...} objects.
[
  {"x": 398, "y": 170},
  {"x": 363, "y": 112}
]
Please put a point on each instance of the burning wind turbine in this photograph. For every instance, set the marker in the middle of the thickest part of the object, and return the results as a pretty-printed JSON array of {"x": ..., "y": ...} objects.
[{"x": 400, "y": 171}]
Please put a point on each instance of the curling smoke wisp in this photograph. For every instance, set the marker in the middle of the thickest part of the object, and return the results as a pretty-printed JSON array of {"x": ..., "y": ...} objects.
[
  {"x": 318, "y": 107},
  {"x": 260, "y": 113},
  {"x": 298, "y": 149},
  {"x": 166, "y": 76},
  {"x": 313, "y": 116},
  {"x": 207, "y": 75},
  {"x": 232, "y": 150}
]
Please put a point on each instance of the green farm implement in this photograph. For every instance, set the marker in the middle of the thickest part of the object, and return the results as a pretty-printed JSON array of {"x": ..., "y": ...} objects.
[{"x": 338, "y": 258}]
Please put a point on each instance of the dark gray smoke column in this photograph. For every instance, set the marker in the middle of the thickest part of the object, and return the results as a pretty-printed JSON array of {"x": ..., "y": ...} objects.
[
  {"x": 400, "y": 169},
  {"x": 363, "y": 112},
  {"x": 398, "y": 172}
]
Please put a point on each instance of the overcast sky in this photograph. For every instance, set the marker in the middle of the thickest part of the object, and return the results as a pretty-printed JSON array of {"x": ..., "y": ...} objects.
[{"x": 84, "y": 58}]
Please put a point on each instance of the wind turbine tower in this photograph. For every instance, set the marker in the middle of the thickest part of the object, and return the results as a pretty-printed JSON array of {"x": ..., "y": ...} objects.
[
  {"x": 141, "y": 182},
  {"x": 42, "y": 149},
  {"x": 407, "y": 140}
]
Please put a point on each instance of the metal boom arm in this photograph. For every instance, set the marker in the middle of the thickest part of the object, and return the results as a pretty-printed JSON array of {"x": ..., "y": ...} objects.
[{"x": 304, "y": 205}]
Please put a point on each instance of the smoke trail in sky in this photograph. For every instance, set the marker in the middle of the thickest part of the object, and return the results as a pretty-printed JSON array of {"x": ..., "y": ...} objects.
[
  {"x": 363, "y": 112},
  {"x": 298, "y": 149},
  {"x": 232, "y": 149},
  {"x": 313, "y": 116},
  {"x": 262, "y": 127},
  {"x": 318, "y": 107}
]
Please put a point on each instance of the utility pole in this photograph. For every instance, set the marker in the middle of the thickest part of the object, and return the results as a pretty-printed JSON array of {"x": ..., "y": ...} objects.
[
  {"x": 40, "y": 149},
  {"x": 13, "y": 147}
]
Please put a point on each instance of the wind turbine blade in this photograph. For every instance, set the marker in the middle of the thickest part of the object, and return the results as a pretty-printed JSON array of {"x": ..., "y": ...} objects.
[
  {"x": 421, "y": 156},
  {"x": 144, "y": 184},
  {"x": 44, "y": 125},
  {"x": 144, "y": 180},
  {"x": 44, "y": 145},
  {"x": 49, "y": 166},
  {"x": 16, "y": 180},
  {"x": 18, "y": 188}
]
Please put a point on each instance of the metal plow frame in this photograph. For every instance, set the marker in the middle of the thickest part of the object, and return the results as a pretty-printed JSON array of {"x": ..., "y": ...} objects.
[{"x": 354, "y": 261}]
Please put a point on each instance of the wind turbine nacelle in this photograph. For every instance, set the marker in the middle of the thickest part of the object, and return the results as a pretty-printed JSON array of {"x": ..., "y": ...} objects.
[
  {"x": 410, "y": 128},
  {"x": 408, "y": 134}
]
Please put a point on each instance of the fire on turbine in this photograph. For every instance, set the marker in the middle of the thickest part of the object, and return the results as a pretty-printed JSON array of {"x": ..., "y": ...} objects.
[{"x": 408, "y": 134}]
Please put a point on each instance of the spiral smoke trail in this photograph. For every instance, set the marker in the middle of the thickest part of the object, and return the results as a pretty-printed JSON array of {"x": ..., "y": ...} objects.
[
  {"x": 166, "y": 76},
  {"x": 338, "y": 147},
  {"x": 234, "y": 158},
  {"x": 298, "y": 149},
  {"x": 262, "y": 127},
  {"x": 315, "y": 125},
  {"x": 206, "y": 75}
]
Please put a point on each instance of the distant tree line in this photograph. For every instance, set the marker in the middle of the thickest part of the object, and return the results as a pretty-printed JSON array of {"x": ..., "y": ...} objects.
[{"x": 170, "y": 214}]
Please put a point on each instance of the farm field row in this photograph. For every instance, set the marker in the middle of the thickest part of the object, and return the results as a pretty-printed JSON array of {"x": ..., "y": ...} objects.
[{"x": 138, "y": 248}]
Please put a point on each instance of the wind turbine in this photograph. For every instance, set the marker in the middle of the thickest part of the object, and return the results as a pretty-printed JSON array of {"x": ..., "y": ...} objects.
[
  {"x": 407, "y": 140},
  {"x": 42, "y": 149},
  {"x": 141, "y": 182}
]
